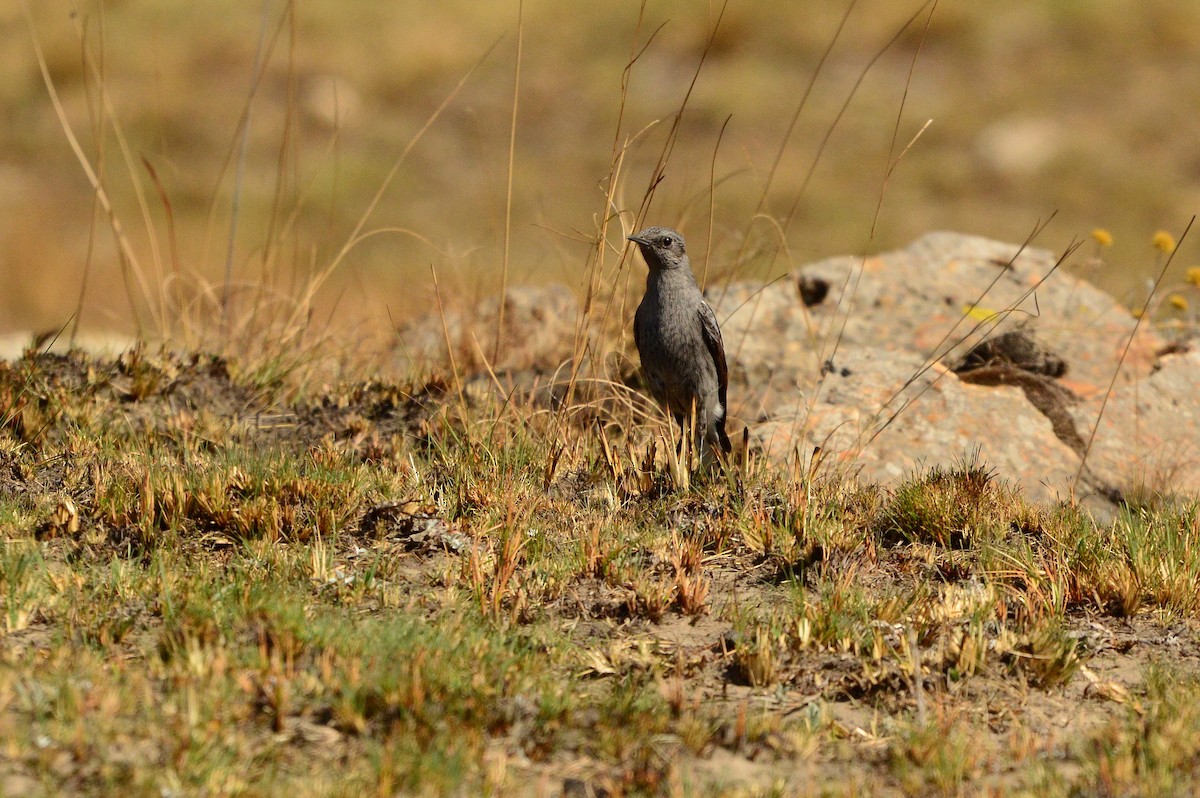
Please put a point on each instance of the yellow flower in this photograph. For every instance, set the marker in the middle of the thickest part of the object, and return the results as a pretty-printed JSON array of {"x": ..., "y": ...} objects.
[
  {"x": 1178, "y": 302},
  {"x": 977, "y": 313},
  {"x": 1164, "y": 242},
  {"x": 1102, "y": 237},
  {"x": 1193, "y": 276}
]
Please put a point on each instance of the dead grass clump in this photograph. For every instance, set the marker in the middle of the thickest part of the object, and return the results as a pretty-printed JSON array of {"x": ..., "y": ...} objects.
[
  {"x": 1047, "y": 657},
  {"x": 959, "y": 507},
  {"x": 755, "y": 661}
]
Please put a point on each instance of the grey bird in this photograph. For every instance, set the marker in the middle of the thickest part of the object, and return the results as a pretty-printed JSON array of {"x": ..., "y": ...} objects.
[{"x": 679, "y": 341}]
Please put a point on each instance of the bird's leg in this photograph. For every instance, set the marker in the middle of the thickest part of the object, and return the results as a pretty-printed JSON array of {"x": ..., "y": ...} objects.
[
  {"x": 685, "y": 448},
  {"x": 695, "y": 436},
  {"x": 681, "y": 420}
]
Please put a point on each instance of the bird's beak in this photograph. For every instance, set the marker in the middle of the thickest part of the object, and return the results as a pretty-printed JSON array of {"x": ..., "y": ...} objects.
[{"x": 637, "y": 240}]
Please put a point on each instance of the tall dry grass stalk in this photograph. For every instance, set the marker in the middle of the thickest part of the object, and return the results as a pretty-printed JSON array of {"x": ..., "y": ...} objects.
[
  {"x": 508, "y": 192},
  {"x": 133, "y": 275},
  {"x": 242, "y": 147}
]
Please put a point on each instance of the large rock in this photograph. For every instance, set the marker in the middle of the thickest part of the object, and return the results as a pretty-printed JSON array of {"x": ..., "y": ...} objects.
[
  {"x": 871, "y": 419},
  {"x": 854, "y": 355}
]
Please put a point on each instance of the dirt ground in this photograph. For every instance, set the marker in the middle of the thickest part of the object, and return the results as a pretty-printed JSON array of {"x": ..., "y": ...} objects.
[{"x": 810, "y": 711}]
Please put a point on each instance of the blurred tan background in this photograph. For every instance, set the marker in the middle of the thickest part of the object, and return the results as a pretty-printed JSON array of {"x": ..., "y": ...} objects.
[{"x": 1084, "y": 107}]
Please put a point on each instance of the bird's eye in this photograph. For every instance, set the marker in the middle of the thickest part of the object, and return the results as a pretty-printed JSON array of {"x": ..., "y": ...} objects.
[{"x": 667, "y": 242}]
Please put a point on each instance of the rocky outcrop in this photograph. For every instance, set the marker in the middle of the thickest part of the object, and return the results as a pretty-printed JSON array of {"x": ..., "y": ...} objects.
[{"x": 959, "y": 344}]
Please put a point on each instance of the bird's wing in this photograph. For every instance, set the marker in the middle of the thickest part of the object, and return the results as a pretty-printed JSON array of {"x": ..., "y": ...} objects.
[
  {"x": 716, "y": 348},
  {"x": 637, "y": 329}
]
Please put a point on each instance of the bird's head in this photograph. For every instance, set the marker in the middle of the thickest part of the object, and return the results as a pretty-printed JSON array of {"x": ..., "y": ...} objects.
[{"x": 662, "y": 248}]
